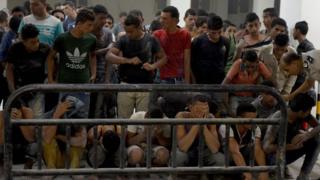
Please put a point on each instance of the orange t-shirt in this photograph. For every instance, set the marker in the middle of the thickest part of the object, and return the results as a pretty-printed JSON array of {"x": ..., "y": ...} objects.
[{"x": 239, "y": 75}]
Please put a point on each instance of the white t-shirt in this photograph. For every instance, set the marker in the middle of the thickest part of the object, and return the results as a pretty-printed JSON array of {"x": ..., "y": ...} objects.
[
  {"x": 166, "y": 129},
  {"x": 311, "y": 61},
  {"x": 222, "y": 131}
]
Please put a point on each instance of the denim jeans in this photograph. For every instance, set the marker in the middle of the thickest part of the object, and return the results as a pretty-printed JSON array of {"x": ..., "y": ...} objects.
[{"x": 82, "y": 112}]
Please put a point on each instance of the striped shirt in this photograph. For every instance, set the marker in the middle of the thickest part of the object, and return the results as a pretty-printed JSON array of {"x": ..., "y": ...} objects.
[{"x": 49, "y": 28}]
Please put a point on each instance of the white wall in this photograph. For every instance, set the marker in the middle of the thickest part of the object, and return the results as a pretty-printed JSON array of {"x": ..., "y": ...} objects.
[
  {"x": 183, "y": 6},
  {"x": 259, "y": 6},
  {"x": 3, "y": 4},
  {"x": 309, "y": 14},
  {"x": 297, "y": 10}
]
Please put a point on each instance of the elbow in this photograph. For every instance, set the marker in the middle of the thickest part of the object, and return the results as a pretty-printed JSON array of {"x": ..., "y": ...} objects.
[
  {"x": 182, "y": 148},
  {"x": 266, "y": 149}
]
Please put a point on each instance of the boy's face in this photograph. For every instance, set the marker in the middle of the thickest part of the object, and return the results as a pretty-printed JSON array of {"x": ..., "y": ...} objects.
[
  {"x": 278, "y": 51},
  {"x": 294, "y": 68},
  {"x": 214, "y": 34},
  {"x": 167, "y": 21},
  {"x": 86, "y": 27},
  {"x": 100, "y": 20},
  {"x": 267, "y": 20},
  {"x": 231, "y": 30},
  {"x": 253, "y": 27},
  {"x": 132, "y": 31},
  {"x": 31, "y": 44},
  {"x": 199, "y": 109},
  {"x": 268, "y": 100},
  {"x": 250, "y": 115},
  {"x": 190, "y": 21},
  {"x": 276, "y": 30},
  {"x": 203, "y": 29}
]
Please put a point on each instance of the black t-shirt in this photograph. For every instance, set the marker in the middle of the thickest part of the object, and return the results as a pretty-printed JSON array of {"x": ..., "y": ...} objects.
[
  {"x": 305, "y": 46},
  {"x": 28, "y": 68},
  {"x": 145, "y": 49},
  {"x": 208, "y": 59}
]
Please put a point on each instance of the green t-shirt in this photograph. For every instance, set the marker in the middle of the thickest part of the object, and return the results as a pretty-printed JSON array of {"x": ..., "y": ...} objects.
[{"x": 74, "y": 56}]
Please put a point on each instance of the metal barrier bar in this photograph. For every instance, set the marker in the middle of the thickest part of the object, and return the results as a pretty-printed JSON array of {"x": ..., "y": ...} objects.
[
  {"x": 226, "y": 146},
  {"x": 39, "y": 146},
  {"x": 201, "y": 146},
  {"x": 95, "y": 146},
  {"x": 139, "y": 170},
  {"x": 147, "y": 88},
  {"x": 174, "y": 147},
  {"x": 146, "y": 121},
  {"x": 122, "y": 146},
  {"x": 148, "y": 128},
  {"x": 252, "y": 146},
  {"x": 68, "y": 146}
]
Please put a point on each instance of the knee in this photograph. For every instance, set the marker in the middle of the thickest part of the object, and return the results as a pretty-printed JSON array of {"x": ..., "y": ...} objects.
[
  {"x": 181, "y": 158},
  {"x": 162, "y": 157},
  {"x": 136, "y": 156}
]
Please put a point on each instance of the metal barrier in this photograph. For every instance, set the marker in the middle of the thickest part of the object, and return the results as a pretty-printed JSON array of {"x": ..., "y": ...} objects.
[{"x": 8, "y": 150}]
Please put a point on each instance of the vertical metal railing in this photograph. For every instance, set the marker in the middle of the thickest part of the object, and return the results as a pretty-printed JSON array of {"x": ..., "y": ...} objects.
[{"x": 173, "y": 169}]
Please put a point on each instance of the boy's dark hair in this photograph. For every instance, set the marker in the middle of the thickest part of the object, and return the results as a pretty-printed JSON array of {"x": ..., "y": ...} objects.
[
  {"x": 215, "y": 23},
  {"x": 136, "y": 12},
  {"x": 70, "y": 3},
  {"x": 251, "y": 17},
  {"x": 155, "y": 25},
  {"x": 271, "y": 12},
  {"x": 100, "y": 9},
  {"x": 281, "y": 40},
  {"x": 226, "y": 24},
  {"x": 85, "y": 15},
  {"x": 111, "y": 142},
  {"x": 3, "y": 16},
  {"x": 109, "y": 16},
  {"x": 29, "y": 31},
  {"x": 202, "y": 12},
  {"x": 57, "y": 10},
  {"x": 250, "y": 56},
  {"x": 268, "y": 83},
  {"x": 26, "y": 6},
  {"x": 191, "y": 12},
  {"x": 302, "y": 102},
  {"x": 244, "y": 108},
  {"x": 121, "y": 14},
  {"x": 280, "y": 22},
  {"x": 302, "y": 26},
  {"x": 172, "y": 10},
  {"x": 291, "y": 57},
  {"x": 132, "y": 20},
  {"x": 14, "y": 23},
  {"x": 18, "y": 9},
  {"x": 201, "y": 20},
  {"x": 199, "y": 98},
  {"x": 154, "y": 112}
]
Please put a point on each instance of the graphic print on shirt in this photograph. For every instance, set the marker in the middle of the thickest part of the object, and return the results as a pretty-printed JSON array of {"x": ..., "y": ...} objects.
[{"x": 76, "y": 57}]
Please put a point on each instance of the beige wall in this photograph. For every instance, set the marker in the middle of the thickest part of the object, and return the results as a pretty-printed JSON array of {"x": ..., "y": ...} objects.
[{"x": 148, "y": 7}]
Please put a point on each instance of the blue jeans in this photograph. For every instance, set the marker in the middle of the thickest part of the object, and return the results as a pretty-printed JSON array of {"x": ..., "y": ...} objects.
[
  {"x": 177, "y": 80},
  {"x": 82, "y": 112}
]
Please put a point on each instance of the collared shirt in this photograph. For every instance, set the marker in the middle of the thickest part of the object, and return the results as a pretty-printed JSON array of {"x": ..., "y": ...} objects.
[{"x": 283, "y": 81}]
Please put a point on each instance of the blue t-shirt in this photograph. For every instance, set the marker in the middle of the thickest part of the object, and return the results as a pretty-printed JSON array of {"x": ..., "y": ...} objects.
[
  {"x": 6, "y": 42},
  {"x": 49, "y": 28}
]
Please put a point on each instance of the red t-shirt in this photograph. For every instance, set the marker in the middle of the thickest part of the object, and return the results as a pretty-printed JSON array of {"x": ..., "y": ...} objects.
[{"x": 174, "y": 45}]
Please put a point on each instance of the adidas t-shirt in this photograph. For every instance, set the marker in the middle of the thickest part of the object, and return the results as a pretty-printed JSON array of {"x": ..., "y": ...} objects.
[
  {"x": 49, "y": 28},
  {"x": 74, "y": 66},
  {"x": 312, "y": 64}
]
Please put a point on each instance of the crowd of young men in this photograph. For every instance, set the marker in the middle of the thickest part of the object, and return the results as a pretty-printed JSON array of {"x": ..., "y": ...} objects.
[{"x": 83, "y": 46}]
